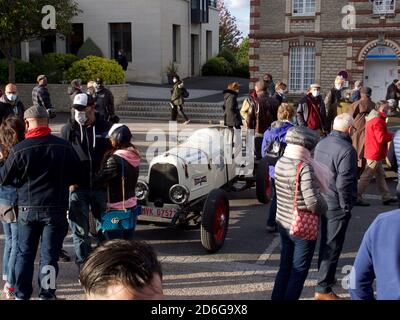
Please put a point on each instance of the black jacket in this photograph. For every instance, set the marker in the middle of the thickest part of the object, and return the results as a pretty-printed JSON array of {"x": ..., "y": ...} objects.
[
  {"x": 7, "y": 108},
  {"x": 111, "y": 174},
  {"x": 44, "y": 168},
  {"x": 392, "y": 92},
  {"x": 122, "y": 61},
  {"x": 232, "y": 116},
  {"x": 337, "y": 152},
  {"x": 105, "y": 103},
  {"x": 90, "y": 153}
]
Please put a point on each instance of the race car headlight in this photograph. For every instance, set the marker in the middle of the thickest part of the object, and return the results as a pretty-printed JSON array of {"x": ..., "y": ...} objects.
[
  {"x": 179, "y": 194},
  {"x": 142, "y": 190}
]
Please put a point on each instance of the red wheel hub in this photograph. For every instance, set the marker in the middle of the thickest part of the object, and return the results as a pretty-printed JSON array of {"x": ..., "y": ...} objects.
[{"x": 220, "y": 221}]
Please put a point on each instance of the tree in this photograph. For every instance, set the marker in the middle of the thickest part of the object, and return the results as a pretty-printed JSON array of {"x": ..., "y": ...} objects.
[
  {"x": 23, "y": 20},
  {"x": 229, "y": 33},
  {"x": 242, "y": 54}
]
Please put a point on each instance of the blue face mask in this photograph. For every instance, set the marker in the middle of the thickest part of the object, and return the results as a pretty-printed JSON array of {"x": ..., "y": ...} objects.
[{"x": 11, "y": 97}]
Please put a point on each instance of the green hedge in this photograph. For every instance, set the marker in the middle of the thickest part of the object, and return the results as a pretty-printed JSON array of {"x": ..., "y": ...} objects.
[
  {"x": 228, "y": 56},
  {"x": 89, "y": 48},
  {"x": 241, "y": 71},
  {"x": 54, "y": 65},
  {"x": 25, "y": 72},
  {"x": 92, "y": 67},
  {"x": 217, "y": 66}
]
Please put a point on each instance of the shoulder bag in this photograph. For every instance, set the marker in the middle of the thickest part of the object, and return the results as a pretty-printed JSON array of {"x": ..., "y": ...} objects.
[
  {"x": 305, "y": 223},
  {"x": 115, "y": 219}
]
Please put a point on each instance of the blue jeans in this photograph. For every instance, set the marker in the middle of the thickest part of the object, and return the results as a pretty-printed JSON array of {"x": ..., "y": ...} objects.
[
  {"x": 272, "y": 208},
  {"x": 10, "y": 251},
  {"x": 48, "y": 227},
  {"x": 78, "y": 214},
  {"x": 296, "y": 257}
]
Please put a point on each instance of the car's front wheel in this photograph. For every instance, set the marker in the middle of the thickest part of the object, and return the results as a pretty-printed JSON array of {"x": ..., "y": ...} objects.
[{"x": 215, "y": 220}]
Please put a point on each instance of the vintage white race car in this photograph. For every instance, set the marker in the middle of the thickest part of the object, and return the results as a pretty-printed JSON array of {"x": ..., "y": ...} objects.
[{"x": 189, "y": 183}]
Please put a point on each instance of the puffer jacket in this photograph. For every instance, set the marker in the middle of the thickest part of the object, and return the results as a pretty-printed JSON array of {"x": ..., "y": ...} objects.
[
  {"x": 309, "y": 197},
  {"x": 110, "y": 175},
  {"x": 232, "y": 116},
  {"x": 277, "y": 132},
  {"x": 377, "y": 136}
]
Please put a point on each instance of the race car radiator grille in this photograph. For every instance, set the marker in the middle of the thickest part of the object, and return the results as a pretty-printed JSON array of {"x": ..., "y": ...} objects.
[{"x": 162, "y": 178}]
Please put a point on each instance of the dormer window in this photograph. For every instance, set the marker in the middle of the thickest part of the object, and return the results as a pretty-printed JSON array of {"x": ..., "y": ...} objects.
[
  {"x": 303, "y": 8},
  {"x": 384, "y": 6}
]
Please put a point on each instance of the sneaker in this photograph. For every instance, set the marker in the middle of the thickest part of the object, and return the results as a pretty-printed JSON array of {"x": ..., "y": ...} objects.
[
  {"x": 361, "y": 203},
  {"x": 389, "y": 201},
  {"x": 8, "y": 294},
  {"x": 64, "y": 257},
  {"x": 186, "y": 122}
]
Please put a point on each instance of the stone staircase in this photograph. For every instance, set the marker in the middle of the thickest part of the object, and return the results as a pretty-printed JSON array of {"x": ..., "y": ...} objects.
[{"x": 198, "y": 112}]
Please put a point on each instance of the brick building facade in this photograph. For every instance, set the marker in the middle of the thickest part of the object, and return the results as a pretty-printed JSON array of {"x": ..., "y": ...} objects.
[{"x": 305, "y": 41}]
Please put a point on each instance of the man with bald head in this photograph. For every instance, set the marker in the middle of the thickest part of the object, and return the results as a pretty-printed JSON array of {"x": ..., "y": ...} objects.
[{"x": 10, "y": 103}]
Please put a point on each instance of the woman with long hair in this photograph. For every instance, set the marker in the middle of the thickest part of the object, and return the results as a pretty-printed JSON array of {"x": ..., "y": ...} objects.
[
  {"x": 119, "y": 173},
  {"x": 12, "y": 132}
]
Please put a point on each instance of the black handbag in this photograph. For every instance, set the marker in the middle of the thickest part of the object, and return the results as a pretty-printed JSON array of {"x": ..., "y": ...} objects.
[{"x": 274, "y": 151}]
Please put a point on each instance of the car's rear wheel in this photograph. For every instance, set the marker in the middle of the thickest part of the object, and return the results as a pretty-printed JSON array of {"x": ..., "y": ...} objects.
[
  {"x": 263, "y": 183},
  {"x": 215, "y": 220}
]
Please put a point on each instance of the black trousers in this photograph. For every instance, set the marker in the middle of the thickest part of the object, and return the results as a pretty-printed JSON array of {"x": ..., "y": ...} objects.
[
  {"x": 174, "y": 112},
  {"x": 333, "y": 232}
]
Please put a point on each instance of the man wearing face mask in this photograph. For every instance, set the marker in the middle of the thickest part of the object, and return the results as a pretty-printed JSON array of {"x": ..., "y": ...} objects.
[
  {"x": 311, "y": 111},
  {"x": 41, "y": 96},
  {"x": 279, "y": 94},
  {"x": 105, "y": 102},
  {"x": 10, "y": 103},
  {"x": 87, "y": 133},
  {"x": 333, "y": 99}
]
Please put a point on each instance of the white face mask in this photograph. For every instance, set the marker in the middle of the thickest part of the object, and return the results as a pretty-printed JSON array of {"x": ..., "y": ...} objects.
[
  {"x": 338, "y": 86},
  {"x": 80, "y": 117},
  {"x": 11, "y": 97},
  {"x": 315, "y": 93},
  {"x": 174, "y": 81}
]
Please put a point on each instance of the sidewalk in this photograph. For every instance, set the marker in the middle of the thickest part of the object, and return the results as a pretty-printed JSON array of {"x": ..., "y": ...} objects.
[{"x": 201, "y": 89}]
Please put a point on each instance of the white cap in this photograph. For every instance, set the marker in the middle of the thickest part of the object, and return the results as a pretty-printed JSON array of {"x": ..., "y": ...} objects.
[
  {"x": 113, "y": 128},
  {"x": 80, "y": 101}
]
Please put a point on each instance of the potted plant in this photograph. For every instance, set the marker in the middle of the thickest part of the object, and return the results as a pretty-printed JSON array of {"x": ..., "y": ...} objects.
[{"x": 172, "y": 70}]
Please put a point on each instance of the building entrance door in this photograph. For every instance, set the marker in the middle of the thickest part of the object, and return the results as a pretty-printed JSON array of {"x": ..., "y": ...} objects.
[
  {"x": 379, "y": 71},
  {"x": 195, "y": 55}
]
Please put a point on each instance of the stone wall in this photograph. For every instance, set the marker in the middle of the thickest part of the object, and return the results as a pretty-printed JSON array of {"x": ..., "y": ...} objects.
[{"x": 60, "y": 98}]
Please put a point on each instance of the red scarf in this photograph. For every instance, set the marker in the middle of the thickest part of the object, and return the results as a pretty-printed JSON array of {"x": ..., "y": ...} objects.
[{"x": 38, "y": 132}]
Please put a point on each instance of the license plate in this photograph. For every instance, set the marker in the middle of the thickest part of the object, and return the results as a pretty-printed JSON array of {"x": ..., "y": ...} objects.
[{"x": 167, "y": 213}]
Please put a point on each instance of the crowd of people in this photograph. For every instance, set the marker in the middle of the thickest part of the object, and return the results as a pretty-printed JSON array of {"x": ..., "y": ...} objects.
[
  {"x": 328, "y": 150},
  {"x": 49, "y": 182}
]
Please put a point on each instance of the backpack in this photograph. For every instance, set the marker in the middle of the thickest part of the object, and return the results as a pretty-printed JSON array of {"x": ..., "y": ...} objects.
[
  {"x": 185, "y": 93},
  {"x": 274, "y": 151}
]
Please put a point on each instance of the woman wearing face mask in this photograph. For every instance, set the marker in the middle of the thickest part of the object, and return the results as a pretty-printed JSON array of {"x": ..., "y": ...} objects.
[
  {"x": 333, "y": 99},
  {"x": 279, "y": 94},
  {"x": 10, "y": 103},
  {"x": 177, "y": 99},
  {"x": 311, "y": 111}
]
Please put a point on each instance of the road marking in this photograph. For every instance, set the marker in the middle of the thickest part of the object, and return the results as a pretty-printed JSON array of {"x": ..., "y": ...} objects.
[{"x": 269, "y": 251}]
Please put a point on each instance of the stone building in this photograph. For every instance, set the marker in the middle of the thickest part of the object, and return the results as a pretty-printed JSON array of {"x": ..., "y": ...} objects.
[
  {"x": 306, "y": 41},
  {"x": 153, "y": 33}
]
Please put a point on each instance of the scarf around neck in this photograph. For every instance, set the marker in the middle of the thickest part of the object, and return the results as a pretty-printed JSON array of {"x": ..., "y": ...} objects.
[{"x": 38, "y": 132}]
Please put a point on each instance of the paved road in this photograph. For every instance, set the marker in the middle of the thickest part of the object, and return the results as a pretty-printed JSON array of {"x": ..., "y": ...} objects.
[{"x": 243, "y": 269}]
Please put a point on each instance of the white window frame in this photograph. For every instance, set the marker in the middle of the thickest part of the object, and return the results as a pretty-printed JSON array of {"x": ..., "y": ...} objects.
[
  {"x": 306, "y": 8},
  {"x": 384, "y": 6},
  {"x": 301, "y": 68}
]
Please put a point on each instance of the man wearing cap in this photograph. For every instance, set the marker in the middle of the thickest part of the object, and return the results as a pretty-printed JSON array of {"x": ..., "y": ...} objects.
[
  {"x": 87, "y": 132},
  {"x": 10, "y": 103},
  {"x": 359, "y": 110},
  {"x": 311, "y": 111},
  {"x": 105, "y": 102},
  {"x": 41, "y": 96},
  {"x": 44, "y": 166}
]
